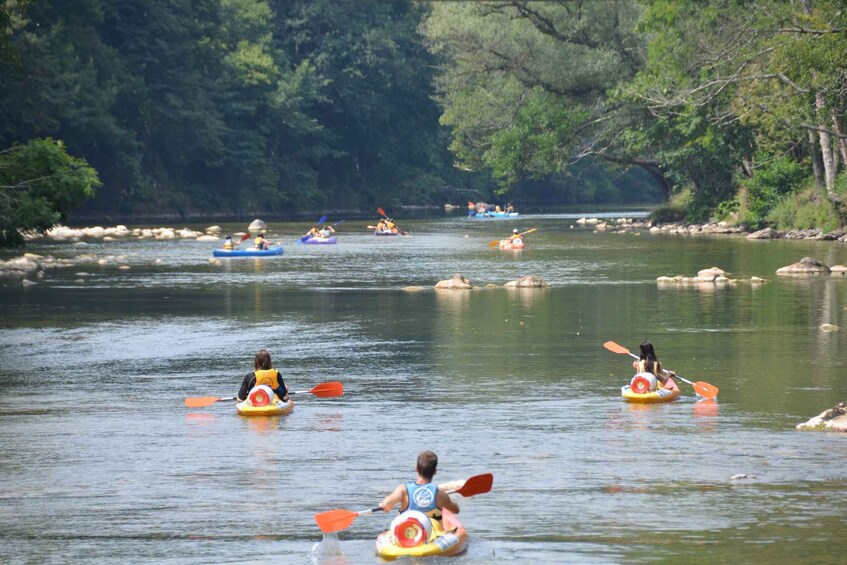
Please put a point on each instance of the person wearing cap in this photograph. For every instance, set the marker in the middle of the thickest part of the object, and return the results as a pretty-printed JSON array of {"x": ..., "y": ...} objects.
[{"x": 516, "y": 235}]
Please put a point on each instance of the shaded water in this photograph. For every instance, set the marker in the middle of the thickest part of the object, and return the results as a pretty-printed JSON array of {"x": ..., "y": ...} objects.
[{"x": 101, "y": 462}]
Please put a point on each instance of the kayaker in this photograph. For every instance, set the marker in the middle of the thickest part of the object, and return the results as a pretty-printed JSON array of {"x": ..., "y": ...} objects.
[
  {"x": 326, "y": 232},
  {"x": 515, "y": 237},
  {"x": 228, "y": 243},
  {"x": 260, "y": 242},
  {"x": 648, "y": 363},
  {"x": 314, "y": 232},
  {"x": 509, "y": 208},
  {"x": 380, "y": 225},
  {"x": 263, "y": 374},
  {"x": 421, "y": 494}
]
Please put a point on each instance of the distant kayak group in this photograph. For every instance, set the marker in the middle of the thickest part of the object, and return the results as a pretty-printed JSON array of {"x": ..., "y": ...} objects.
[{"x": 483, "y": 210}]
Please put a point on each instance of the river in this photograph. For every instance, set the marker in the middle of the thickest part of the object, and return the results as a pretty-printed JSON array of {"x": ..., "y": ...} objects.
[{"x": 101, "y": 462}]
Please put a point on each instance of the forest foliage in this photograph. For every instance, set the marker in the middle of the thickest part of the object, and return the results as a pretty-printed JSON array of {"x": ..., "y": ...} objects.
[{"x": 231, "y": 107}]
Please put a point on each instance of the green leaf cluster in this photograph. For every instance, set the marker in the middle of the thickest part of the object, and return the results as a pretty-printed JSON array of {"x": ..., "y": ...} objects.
[{"x": 40, "y": 183}]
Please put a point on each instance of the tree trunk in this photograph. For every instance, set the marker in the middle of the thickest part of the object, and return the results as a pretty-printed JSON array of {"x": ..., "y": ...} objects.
[
  {"x": 825, "y": 144},
  {"x": 842, "y": 143},
  {"x": 817, "y": 166}
]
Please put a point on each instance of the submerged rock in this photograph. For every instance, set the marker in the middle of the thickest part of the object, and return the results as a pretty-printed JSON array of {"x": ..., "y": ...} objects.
[
  {"x": 832, "y": 420},
  {"x": 456, "y": 282},
  {"x": 528, "y": 281}
]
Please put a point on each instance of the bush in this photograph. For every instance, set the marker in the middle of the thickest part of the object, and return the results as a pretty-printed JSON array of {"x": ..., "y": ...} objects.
[
  {"x": 807, "y": 209},
  {"x": 772, "y": 181}
]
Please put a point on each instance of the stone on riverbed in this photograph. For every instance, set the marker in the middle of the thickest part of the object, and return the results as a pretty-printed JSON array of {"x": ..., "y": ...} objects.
[
  {"x": 257, "y": 226},
  {"x": 832, "y": 420},
  {"x": 805, "y": 266},
  {"x": 456, "y": 282},
  {"x": 528, "y": 281}
]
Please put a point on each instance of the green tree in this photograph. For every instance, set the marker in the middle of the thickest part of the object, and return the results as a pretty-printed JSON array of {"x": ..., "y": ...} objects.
[{"x": 40, "y": 183}]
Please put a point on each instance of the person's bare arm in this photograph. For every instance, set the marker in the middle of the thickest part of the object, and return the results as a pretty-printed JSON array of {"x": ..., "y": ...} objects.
[
  {"x": 393, "y": 499},
  {"x": 443, "y": 500}
]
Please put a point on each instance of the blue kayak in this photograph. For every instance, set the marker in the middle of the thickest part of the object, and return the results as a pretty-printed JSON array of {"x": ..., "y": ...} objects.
[
  {"x": 248, "y": 252},
  {"x": 495, "y": 215},
  {"x": 318, "y": 240}
]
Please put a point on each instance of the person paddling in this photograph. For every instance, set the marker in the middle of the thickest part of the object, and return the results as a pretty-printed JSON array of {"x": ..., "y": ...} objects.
[
  {"x": 325, "y": 232},
  {"x": 260, "y": 242},
  {"x": 648, "y": 363},
  {"x": 421, "y": 494},
  {"x": 263, "y": 374}
]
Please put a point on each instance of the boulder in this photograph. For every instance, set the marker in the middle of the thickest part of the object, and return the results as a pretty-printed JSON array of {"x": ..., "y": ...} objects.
[
  {"x": 456, "y": 282},
  {"x": 828, "y": 328},
  {"x": 711, "y": 274},
  {"x": 767, "y": 233},
  {"x": 529, "y": 281},
  {"x": 832, "y": 420},
  {"x": 805, "y": 266},
  {"x": 838, "y": 270},
  {"x": 257, "y": 226}
]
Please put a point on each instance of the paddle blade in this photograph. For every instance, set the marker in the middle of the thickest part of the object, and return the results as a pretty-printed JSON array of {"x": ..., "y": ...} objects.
[
  {"x": 322, "y": 220},
  {"x": 449, "y": 520},
  {"x": 245, "y": 237},
  {"x": 479, "y": 484},
  {"x": 381, "y": 212},
  {"x": 494, "y": 243},
  {"x": 705, "y": 390},
  {"x": 334, "y": 388},
  {"x": 615, "y": 348},
  {"x": 335, "y": 520},
  {"x": 201, "y": 401}
]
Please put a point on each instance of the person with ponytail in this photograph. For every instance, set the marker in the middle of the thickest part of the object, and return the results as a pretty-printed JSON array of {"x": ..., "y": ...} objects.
[{"x": 649, "y": 363}]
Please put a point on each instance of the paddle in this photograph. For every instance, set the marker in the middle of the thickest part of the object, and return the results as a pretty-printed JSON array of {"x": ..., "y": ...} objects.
[
  {"x": 702, "y": 388},
  {"x": 336, "y": 520},
  {"x": 497, "y": 241},
  {"x": 329, "y": 389}
]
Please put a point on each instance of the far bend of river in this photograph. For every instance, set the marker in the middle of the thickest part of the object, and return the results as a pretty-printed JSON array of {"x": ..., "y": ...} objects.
[{"x": 101, "y": 462}]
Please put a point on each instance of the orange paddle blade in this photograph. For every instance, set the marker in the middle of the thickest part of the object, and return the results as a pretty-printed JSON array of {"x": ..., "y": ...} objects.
[
  {"x": 479, "y": 484},
  {"x": 615, "y": 348},
  {"x": 381, "y": 212},
  {"x": 201, "y": 401},
  {"x": 245, "y": 237},
  {"x": 494, "y": 243},
  {"x": 335, "y": 520},
  {"x": 334, "y": 388},
  {"x": 705, "y": 390},
  {"x": 449, "y": 520}
]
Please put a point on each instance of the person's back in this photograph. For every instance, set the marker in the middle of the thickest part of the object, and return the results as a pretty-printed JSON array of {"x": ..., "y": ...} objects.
[{"x": 421, "y": 494}]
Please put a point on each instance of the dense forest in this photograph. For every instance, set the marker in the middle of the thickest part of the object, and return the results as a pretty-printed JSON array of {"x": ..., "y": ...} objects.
[{"x": 728, "y": 109}]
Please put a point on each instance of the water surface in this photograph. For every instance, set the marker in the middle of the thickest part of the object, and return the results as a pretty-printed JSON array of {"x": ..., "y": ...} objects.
[{"x": 102, "y": 463}]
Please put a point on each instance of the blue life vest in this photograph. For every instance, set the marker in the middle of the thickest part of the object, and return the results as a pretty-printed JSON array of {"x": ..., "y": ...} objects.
[{"x": 421, "y": 497}]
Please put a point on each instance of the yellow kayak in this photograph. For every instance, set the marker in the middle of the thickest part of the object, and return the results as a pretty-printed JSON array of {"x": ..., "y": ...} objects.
[
  {"x": 439, "y": 541},
  {"x": 651, "y": 397},
  {"x": 276, "y": 408}
]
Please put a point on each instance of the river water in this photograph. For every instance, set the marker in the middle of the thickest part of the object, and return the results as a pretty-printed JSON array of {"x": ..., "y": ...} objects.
[{"x": 101, "y": 462}]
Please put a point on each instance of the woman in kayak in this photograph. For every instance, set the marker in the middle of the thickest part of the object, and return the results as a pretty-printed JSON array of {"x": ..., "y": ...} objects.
[
  {"x": 648, "y": 363},
  {"x": 326, "y": 232},
  {"x": 421, "y": 494},
  {"x": 263, "y": 374},
  {"x": 260, "y": 242}
]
